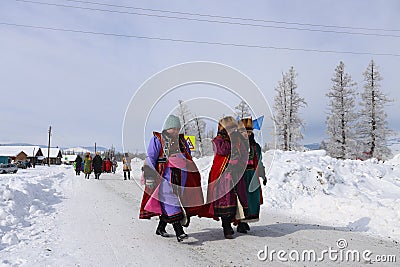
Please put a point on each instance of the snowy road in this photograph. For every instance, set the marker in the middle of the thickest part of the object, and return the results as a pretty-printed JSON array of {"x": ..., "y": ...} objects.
[
  {"x": 99, "y": 226},
  {"x": 59, "y": 219}
]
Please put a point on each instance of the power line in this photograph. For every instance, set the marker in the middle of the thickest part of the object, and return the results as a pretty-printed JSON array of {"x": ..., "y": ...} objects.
[
  {"x": 234, "y": 18},
  {"x": 196, "y": 41},
  {"x": 209, "y": 21}
]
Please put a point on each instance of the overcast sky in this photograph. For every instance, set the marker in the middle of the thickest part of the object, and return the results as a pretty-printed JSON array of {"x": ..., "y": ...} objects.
[{"x": 81, "y": 84}]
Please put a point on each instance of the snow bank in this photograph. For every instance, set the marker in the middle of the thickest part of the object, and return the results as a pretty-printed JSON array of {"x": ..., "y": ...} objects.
[
  {"x": 24, "y": 197},
  {"x": 363, "y": 195}
]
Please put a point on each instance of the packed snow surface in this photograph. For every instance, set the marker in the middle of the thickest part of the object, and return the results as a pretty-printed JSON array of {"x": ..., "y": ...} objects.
[{"x": 51, "y": 217}]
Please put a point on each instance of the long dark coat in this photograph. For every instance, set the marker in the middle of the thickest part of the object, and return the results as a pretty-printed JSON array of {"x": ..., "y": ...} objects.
[
  {"x": 78, "y": 162},
  {"x": 97, "y": 164}
]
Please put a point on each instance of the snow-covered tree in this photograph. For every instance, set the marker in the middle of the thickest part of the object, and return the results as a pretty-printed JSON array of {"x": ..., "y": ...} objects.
[
  {"x": 185, "y": 116},
  {"x": 286, "y": 107},
  {"x": 200, "y": 127},
  {"x": 373, "y": 127},
  {"x": 192, "y": 125},
  {"x": 242, "y": 110},
  {"x": 341, "y": 119}
]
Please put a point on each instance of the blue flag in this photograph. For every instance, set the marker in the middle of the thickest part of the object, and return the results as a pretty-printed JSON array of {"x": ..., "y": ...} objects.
[{"x": 257, "y": 123}]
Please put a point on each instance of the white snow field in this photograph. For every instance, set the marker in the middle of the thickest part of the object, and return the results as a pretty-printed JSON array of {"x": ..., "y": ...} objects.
[{"x": 50, "y": 217}]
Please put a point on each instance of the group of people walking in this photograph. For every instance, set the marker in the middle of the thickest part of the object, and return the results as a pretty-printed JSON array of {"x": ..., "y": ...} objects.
[
  {"x": 173, "y": 184},
  {"x": 97, "y": 165}
]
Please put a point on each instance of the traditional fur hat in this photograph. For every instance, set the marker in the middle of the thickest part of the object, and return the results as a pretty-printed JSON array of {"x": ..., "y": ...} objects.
[
  {"x": 172, "y": 122},
  {"x": 248, "y": 123},
  {"x": 227, "y": 122}
]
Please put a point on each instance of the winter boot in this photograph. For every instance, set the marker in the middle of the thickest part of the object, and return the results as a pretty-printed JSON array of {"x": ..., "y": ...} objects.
[
  {"x": 161, "y": 229},
  {"x": 246, "y": 226},
  {"x": 180, "y": 234},
  {"x": 241, "y": 228},
  {"x": 226, "y": 226},
  {"x": 185, "y": 223}
]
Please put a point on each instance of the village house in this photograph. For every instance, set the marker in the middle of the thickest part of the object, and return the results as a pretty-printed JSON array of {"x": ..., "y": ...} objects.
[
  {"x": 55, "y": 155},
  {"x": 20, "y": 153}
]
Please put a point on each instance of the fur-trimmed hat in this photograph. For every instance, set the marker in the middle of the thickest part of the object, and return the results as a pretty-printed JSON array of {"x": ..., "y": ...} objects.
[
  {"x": 172, "y": 122},
  {"x": 227, "y": 122},
  {"x": 248, "y": 123}
]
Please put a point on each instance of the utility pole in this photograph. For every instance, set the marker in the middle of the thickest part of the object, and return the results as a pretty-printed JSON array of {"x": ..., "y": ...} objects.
[
  {"x": 48, "y": 148},
  {"x": 33, "y": 158},
  {"x": 95, "y": 148}
]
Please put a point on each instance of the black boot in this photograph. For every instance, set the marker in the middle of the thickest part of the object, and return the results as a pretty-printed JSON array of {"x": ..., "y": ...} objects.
[
  {"x": 180, "y": 234},
  {"x": 187, "y": 222},
  {"x": 161, "y": 229},
  {"x": 226, "y": 226},
  {"x": 241, "y": 228},
  {"x": 246, "y": 226}
]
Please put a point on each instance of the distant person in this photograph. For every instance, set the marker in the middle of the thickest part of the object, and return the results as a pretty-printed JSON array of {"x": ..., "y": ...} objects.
[
  {"x": 87, "y": 165},
  {"x": 78, "y": 165},
  {"x": 114, "y": 165},
  {"x": 97, "y": 165},
  {"x": 103, "y": 166},
  {"x": 108, "y": 165},
  {"x": 126, "y": 161}
]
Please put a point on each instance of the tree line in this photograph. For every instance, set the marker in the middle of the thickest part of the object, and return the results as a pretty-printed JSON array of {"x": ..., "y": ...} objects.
[{"x": 351, "y": 134}]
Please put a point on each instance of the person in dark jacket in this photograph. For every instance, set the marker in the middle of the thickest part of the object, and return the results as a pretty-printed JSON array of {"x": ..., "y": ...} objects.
[
  {"x": 97, "y": 165},
  {"x": 114, "y": 165},
  {"x": 78, "y": 165}
]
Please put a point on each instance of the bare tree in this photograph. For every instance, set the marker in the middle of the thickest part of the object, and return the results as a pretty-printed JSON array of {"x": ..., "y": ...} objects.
[
  {"x": 243, "y": 110},
  {"x": 341, "y": 119},
  {"x": 200, "y": 126},
  {"x": 287, "y": 103},
  {"x": 373, "y": 127},
  {"x": 185, "y": 116}
]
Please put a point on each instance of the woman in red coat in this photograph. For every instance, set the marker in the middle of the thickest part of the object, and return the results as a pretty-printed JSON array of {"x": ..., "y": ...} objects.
[
  {"x": 226, "y": 186},
  {"x": 108, "y": 164}
]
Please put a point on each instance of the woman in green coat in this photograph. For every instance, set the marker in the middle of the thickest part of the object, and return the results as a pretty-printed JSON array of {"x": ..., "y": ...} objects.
[
  {"x": 87, "y": 165},
  {"x": 254, "y": 170}
]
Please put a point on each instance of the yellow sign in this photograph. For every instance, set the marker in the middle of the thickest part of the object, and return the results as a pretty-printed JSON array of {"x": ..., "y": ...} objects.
[{"x": 191, "y": 140}]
